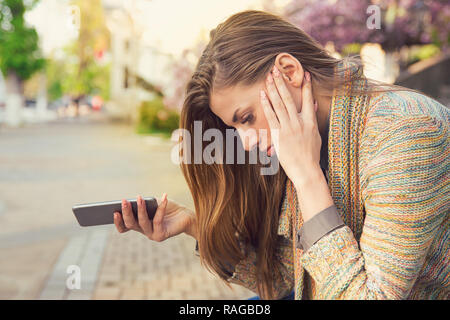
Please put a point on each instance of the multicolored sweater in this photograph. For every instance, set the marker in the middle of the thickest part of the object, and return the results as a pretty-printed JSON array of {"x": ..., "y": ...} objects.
[{"x": 389, "y": 163}]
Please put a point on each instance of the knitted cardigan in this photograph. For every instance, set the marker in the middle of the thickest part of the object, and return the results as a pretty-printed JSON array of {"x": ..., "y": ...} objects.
[{"x": 388, "y": 160}]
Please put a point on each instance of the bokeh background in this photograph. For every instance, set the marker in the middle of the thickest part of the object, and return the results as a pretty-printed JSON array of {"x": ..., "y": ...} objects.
[{"x": 90, "y": 92}]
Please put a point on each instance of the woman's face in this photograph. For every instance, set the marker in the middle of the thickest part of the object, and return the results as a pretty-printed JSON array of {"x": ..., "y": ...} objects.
[{"x": 244, "y": 103}]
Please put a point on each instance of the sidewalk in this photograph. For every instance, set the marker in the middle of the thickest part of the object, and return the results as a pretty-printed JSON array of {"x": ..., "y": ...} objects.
[
  {"x": 46, "y": 170},
  {"x": 129, "y": 266},
  {"x": 133, "y": 268}
]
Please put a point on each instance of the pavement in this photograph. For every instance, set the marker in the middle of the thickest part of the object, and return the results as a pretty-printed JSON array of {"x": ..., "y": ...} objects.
[{"x": 46, "y": 168}]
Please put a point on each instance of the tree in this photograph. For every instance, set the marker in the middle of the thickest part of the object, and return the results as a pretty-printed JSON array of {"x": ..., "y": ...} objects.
[
  {"x": 93, "y": 37},
  {"x": 402, "y": 22},
  {"x": 81, "y": 70},
  {"x": 182, "y": 70},
  {"x": 20, "y": 56}
]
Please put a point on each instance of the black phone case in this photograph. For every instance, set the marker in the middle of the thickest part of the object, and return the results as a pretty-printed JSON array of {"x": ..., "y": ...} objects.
[{"x": 99, "y": 213}]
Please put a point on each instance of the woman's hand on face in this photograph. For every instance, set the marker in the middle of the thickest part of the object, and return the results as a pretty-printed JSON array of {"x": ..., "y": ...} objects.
[
  {"x": 170, "y": 219},
  {"x": 295, "y": 136}
]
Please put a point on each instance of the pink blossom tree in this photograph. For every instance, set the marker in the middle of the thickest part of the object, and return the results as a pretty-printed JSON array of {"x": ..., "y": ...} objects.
[
  {"x": 182, "y": 70},
  {"x": 402, "y": 22}
]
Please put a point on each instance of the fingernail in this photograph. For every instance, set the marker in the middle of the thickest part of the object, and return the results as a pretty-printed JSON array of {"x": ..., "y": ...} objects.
[
  {"x": 124, "y": 203},
  {"x": 275, "y": 72},
  {"x": 269, "y": 78}
]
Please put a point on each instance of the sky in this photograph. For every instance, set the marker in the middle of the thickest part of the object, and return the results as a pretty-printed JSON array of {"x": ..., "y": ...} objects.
[
  {"x": 52, "y": 22},
  {"x": 171, "y": 25}
]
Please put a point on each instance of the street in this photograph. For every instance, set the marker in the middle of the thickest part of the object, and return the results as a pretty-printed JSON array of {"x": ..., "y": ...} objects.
[{"x": 47, "y": 168}]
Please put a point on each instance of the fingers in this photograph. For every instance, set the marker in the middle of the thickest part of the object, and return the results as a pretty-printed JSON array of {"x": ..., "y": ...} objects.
[
  {"x": 308, "y": 113},
  {"x": 268, "y": 111},
  {"x": 118, "y": 221},
  {"x": 128, "y": 218},
  {"x": 158, "y": 228},
  {"x": 285, "y": 95},
  {"x": 154, "y": 230},
  {"x": 275, "y": 99},
  {"x": 143, "y": 220}
]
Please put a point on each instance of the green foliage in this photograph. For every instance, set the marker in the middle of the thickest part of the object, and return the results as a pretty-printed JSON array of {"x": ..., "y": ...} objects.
[
  {"x": 351, "y": 49},
  {"x": 86, "y": 75},
  {"x": 63, "y": 78},
  {"x": 19, "y": 50},
  {"x": 79, "y": 73},
  {"x": 423, "y": 52},
  {"x": 154, "y": 117},
  {"x": 56, "y": 73}
]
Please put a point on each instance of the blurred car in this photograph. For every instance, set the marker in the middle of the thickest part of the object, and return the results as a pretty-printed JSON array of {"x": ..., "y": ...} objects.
[{"x": 30, "y": 103}]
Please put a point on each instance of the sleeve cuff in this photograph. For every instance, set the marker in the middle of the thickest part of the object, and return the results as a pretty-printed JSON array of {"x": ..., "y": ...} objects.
[{"x": 319, "y": 226}]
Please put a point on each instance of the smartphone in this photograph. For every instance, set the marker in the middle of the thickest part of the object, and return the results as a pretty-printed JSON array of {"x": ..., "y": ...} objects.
[{"x": 98, "y": 213}]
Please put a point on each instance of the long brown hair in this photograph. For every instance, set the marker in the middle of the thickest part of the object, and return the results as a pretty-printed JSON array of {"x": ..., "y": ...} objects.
[{"x": 234, "y": 201}]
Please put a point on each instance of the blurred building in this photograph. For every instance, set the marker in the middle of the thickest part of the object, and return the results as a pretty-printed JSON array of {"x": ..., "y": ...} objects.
[{"x": 138, "y": 70}]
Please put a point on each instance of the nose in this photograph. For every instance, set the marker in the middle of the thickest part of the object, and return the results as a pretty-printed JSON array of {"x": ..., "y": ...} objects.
[{"x": 249, "y": 138}]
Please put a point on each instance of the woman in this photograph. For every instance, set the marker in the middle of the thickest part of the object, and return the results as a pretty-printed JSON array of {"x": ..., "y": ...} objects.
[{"x": 361, "y": 200}]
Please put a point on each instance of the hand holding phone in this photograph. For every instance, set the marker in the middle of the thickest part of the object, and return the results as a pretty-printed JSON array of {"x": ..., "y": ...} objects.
[
  {"x": 99, "y": 213},
  {"x": 170, "y": 219}
]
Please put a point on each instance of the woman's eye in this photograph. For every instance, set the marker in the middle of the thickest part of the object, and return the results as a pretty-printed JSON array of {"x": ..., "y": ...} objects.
[{"x": 248, "y": 118}]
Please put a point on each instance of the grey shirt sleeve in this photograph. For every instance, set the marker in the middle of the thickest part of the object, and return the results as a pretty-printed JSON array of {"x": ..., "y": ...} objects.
[{"x": 317, "y": 227}]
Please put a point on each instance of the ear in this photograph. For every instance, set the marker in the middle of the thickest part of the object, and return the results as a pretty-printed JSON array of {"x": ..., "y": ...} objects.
[{"x": 290, "y": 68}]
